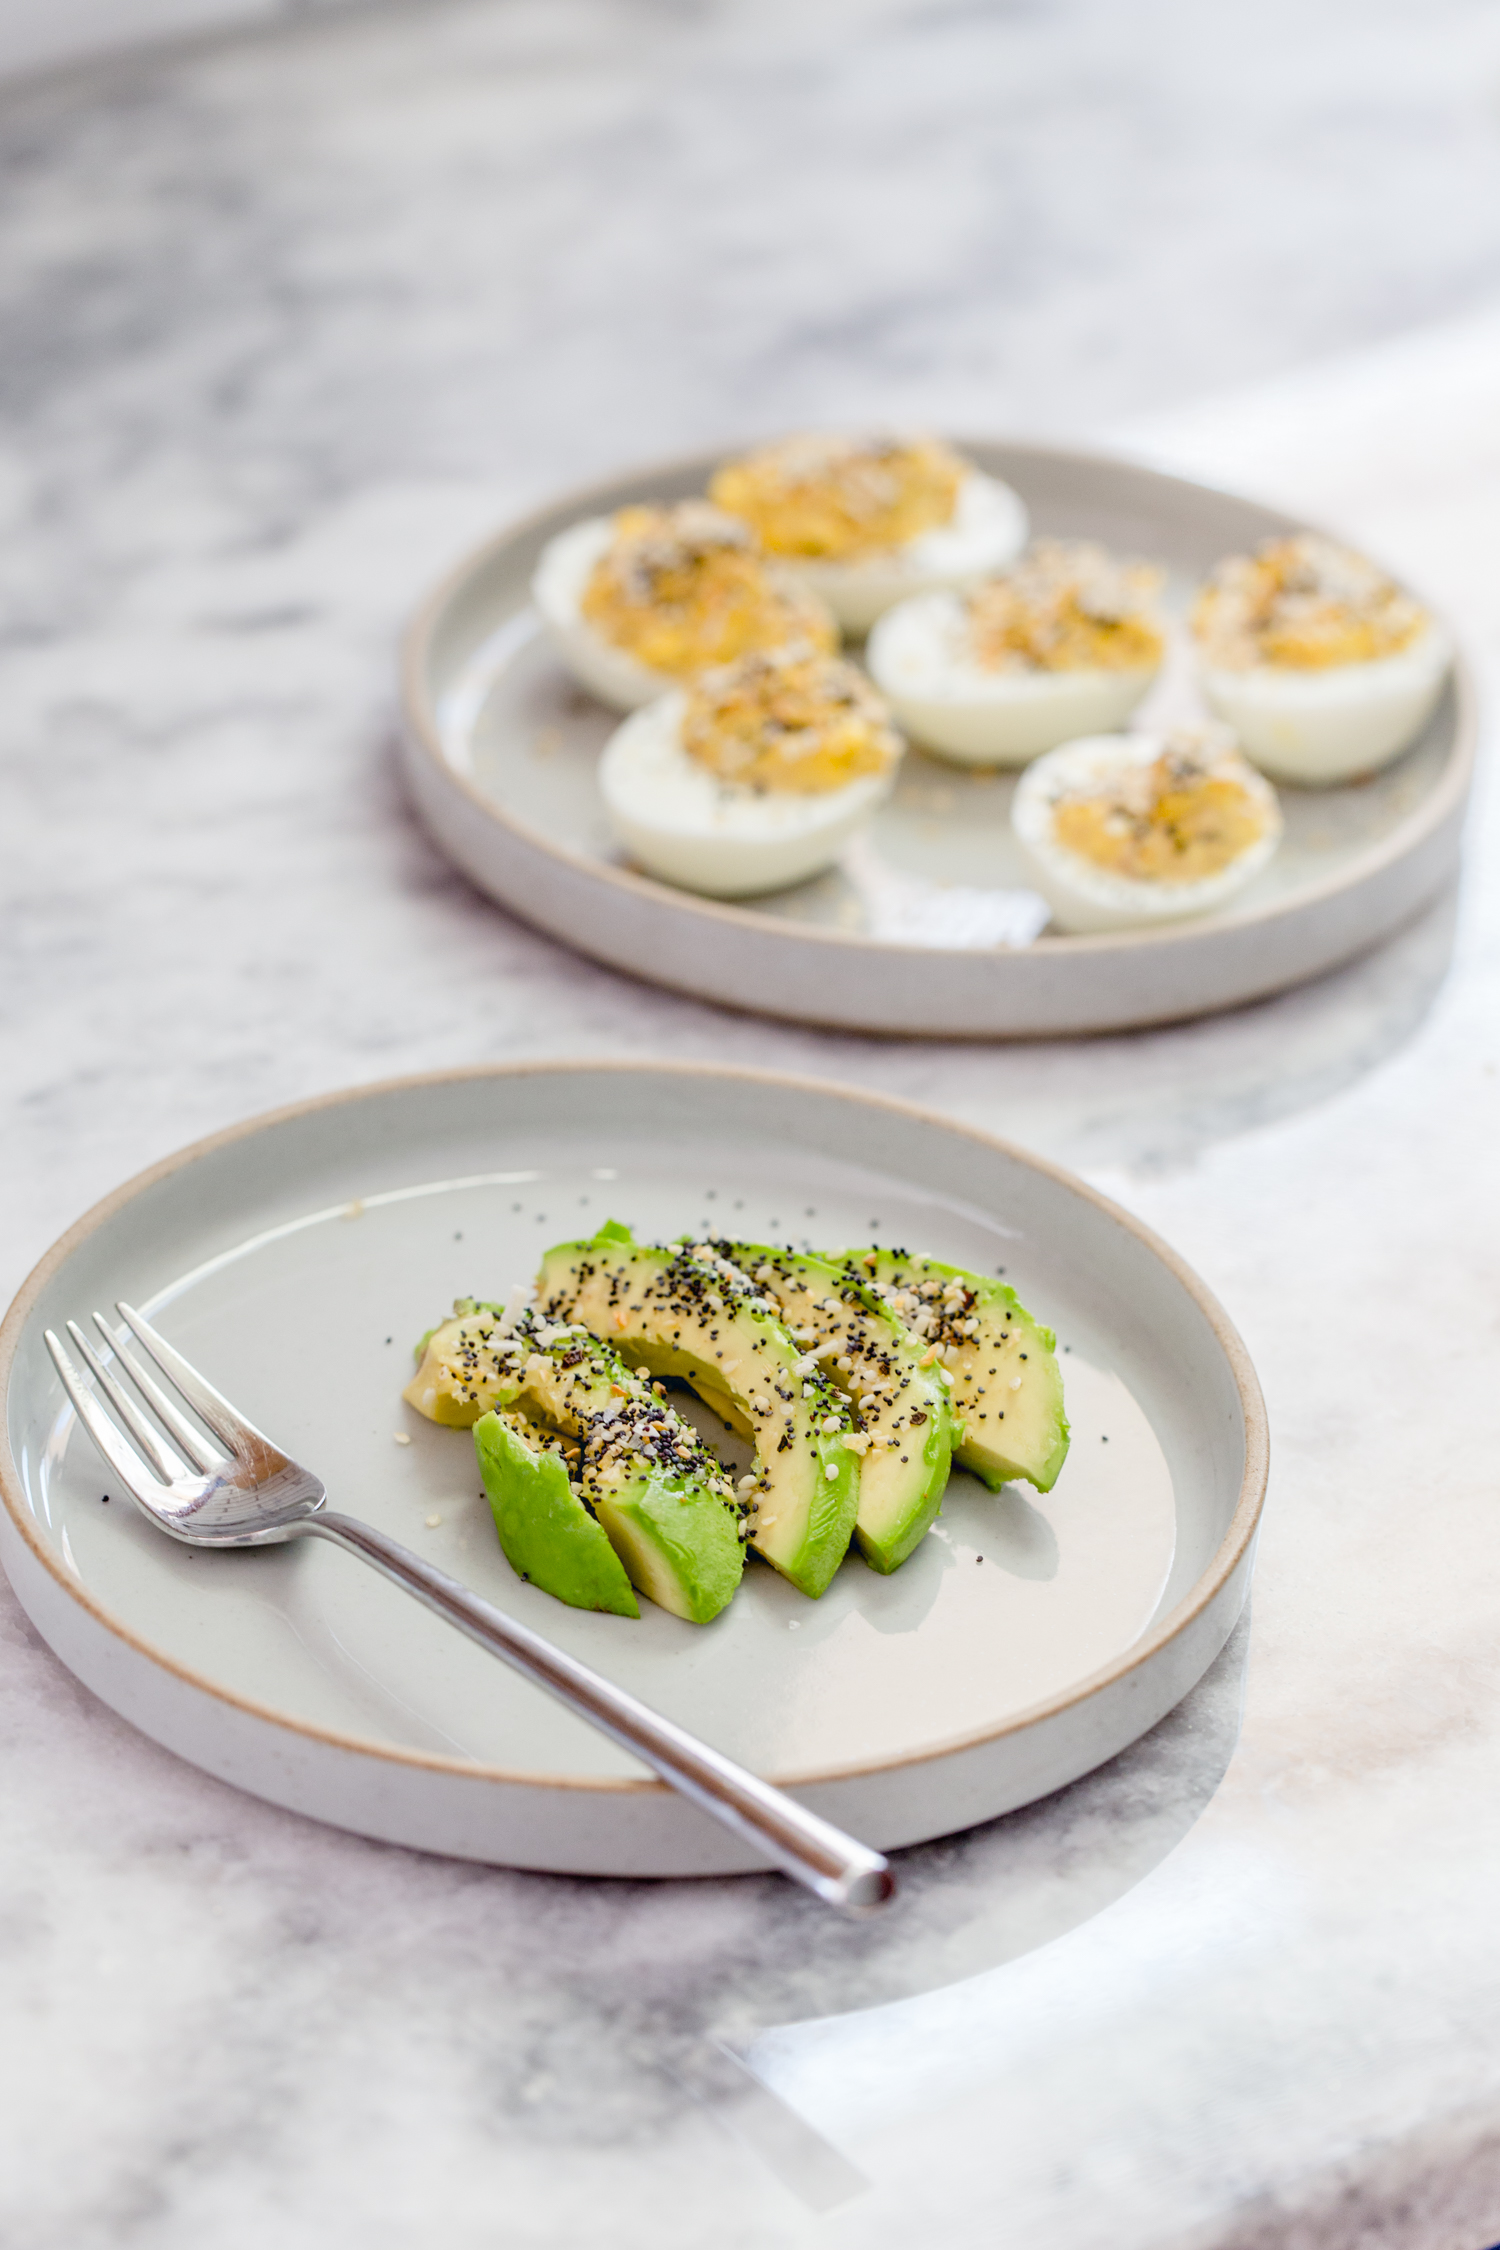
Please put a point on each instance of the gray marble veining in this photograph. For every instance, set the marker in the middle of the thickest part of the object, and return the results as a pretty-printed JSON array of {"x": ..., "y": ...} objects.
[{"x": 288, "y": 320}]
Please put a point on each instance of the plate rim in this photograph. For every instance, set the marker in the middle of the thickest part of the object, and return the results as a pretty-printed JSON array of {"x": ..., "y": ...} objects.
[
  {"x": 1363, "y": 866},
  {"x": 1231, "y": 1552}
]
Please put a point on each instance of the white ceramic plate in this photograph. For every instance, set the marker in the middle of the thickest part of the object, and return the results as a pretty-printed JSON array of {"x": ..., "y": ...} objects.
[
  {"x": 913, "y": 932},
  {"x": 297, "y": 1258}
]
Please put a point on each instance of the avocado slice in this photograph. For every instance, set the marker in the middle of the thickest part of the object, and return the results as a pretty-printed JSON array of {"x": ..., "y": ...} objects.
[
  {"x": 642, "y": 1475},
  {"x": 545, "y": 1530},
  {"x": 901, "y": 1390},
  {"x": 683, "y": 1309},
  {"x": 1007, "y": 1386},
  {"x": 465, "y": 1366}
]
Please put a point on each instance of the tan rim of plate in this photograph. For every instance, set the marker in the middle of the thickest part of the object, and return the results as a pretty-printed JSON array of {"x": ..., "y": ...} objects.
[
  {"x": 1444, "y": 803},
  {"x": 1231, "y": 1552}
]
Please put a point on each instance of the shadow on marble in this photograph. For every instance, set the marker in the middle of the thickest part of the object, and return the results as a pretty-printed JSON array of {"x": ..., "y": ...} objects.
[
  {"x": 1162, "y": 1098},
  {"x": 1155, "y": 1101},
  {"x": 672, "y": 1984},
  {"x": 971, "y": 1902}
]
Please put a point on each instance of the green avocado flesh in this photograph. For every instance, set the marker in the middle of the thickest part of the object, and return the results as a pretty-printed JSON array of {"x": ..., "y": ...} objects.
[
  {"x": 901, "y": 1393},
  {"x": 637, "y": 1474},
  {"x": 1007, "y": 1386},
  {"x": 546, "y": 1531},
  {"x": 684, "y": 1310}
]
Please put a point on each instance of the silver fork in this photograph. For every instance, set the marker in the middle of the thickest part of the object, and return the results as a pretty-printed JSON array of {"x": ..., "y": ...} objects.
[{"x": 253, "y": 1495}]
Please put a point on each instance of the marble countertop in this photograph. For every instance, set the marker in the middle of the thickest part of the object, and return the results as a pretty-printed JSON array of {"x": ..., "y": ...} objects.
[{"x": 290, "y": 319}]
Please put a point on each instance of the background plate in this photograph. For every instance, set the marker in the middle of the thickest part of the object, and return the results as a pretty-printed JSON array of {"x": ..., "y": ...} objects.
[
  {"x": 297, "y": 1259},
  {"x": 501, "y": 752}
]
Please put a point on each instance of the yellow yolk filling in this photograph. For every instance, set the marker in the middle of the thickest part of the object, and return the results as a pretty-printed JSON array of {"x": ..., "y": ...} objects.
[
  {"x": 685, "y": 588},
  {"x": 1306, "y": 603},
  {"x": 1067, "y": 607},
  {"x": 794, "y": 720},
  {"x": 839, "y": 497},
  {"x": 1170, "y": 822}
]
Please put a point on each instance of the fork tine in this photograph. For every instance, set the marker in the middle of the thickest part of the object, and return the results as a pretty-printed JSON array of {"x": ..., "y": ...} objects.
[
  {"x": 127, "y": 1464},
  {"x": 193, "y": 1443},
  {"x": 163, "y": 1460},
  {"x": 238, "y": 1434}
]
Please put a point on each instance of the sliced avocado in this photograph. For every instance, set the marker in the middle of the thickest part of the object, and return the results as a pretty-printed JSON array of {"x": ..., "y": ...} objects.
[
  {"x": 682, "y": 1309},
  {"x": 546, "y": 1531},
  {"x": 641, "y": 1473},
  {"x": 901, "y": 1392},
  {"x": 463, "y": 1366},
  {"x": 1007, "y": 1386}
]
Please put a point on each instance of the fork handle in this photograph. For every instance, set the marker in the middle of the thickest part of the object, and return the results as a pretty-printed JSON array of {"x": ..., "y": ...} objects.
[{"x": 840, "y": 1871}]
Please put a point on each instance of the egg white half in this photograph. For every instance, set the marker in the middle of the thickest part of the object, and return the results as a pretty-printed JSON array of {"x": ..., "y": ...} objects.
[
  {"x": 1085, "y": 898},
  {"x": 919, "y": 659},
  {"x": 988, "y": 529},
  {"x": 566, "y": 566},
  {"x": 682, "y": 824},
  {"x": 1323, "y": 727}
]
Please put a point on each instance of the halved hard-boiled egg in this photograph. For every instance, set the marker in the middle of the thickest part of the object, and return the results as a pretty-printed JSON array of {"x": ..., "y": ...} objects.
[
  {"x": 1064, "y": 643},
  {"x": 639, "y": 602},
  {"x": 1121, "y": 831},
  {"x": 753, "y": 778},
  {"x": 1322, "y": 664},
  {"x": 865, "y": 521}
]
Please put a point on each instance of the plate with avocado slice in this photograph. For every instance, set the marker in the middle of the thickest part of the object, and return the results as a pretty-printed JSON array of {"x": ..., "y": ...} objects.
[
  {"x": 926, "y": 925},
  {"x": 891, "y": 1459}
]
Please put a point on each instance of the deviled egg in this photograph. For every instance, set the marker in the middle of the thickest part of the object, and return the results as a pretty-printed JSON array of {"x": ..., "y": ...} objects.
[
  {"x": 1121, "y": 831},
  {"x": 754, "y": 777},
  {"x": 1065, "y": 643},
  {"x": 1323, "y": 666},
  {"x": 638, "y": 602},
  {"x": 867, "y": 521}
]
